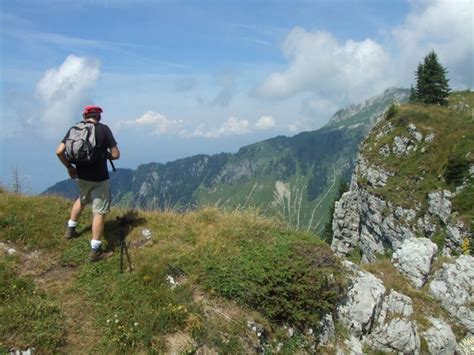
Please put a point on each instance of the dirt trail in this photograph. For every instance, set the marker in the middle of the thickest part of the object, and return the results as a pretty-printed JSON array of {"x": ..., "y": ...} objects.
[{"x": 58, "y": 281}]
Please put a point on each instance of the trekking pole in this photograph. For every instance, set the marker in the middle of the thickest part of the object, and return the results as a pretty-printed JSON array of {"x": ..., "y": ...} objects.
[{"x": 123, "y": 245}]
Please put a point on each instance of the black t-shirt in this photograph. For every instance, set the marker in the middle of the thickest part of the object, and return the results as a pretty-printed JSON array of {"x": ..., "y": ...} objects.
[{"x": 98, "y": 170}]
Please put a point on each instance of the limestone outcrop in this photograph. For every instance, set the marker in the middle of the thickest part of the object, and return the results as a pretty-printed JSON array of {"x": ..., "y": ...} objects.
[
  {"x": 453, "y": 286},
  {"x": 414, "y": 258}
]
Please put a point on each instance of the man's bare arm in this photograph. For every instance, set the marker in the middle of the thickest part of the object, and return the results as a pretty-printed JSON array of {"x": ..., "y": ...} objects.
[
  {"x": 114, "y": 153},
  {"x": 62, "y": 157}
]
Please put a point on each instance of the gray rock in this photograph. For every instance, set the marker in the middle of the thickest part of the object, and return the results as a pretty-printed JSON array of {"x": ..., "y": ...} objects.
[
  {"x": 30, "y": 351},
  {"x": 407, "y": 214},
  {"x": 375, "y": 175},
  {"x": 429, "y": 137},
  {"x": 386, "y": 129},
  {"x": 384, "y": 150},
  {"x": 392, "y": 331},
  {"x": 379, "y": 227},
  {"x": 398, "y": 335},
  {"x": 395, "y": 304},
  {"x": 455, "y": 235},
  {"x": 345, "y": 224},
  {"x": 413, "y": 259},
  {"x": 440, "y": 338},
  {"x": 402, "y": 145},
  {"x": 466, "y": 345},
  {"x": 440, "y": 204},
  {"x": 256, "y": 328},
  {"x": 362, "y": 302},
  {"x": 352, "y": 346},
  {"x": 453, "y": 286},
  {"x": 427, "y": 225},
  {"x": 328, "y": 332},
  {"x": 415, "y": 134},
  {"x": 364, "y": 220},
  {"x": 146, "y": 233}
]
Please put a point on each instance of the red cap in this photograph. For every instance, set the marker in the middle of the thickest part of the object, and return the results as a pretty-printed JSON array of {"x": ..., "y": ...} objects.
[{"x": 89, "y": 109}]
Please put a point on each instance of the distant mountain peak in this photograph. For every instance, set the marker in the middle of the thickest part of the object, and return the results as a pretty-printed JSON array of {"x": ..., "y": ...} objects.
[{"x": 360, "y": 113}]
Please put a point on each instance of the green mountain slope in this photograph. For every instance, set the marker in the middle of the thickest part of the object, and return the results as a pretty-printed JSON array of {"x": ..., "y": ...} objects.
[{"x": 295, "y": 178}]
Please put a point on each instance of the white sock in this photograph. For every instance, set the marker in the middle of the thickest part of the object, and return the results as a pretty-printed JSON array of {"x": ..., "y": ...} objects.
[
  {"x": 95, "y": 244},
  {"x": 71, "y": 223}
]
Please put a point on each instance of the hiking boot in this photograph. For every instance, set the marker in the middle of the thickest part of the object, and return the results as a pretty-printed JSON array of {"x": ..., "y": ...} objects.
[
  {"x": 99, "y": 254},
  {"x": 70, "y": 232}
]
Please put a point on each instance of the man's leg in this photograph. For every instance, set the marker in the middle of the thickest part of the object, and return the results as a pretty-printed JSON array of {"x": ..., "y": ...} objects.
[
  {"x": 97, "y": 226},
  {"x": 76, "y": 211},
  {"x": 97, "y": 230},
  {"x": 100, "y": 207}
]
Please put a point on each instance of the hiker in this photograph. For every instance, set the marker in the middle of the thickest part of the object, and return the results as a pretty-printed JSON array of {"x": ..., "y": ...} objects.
[{"x": 92, "y": 178}]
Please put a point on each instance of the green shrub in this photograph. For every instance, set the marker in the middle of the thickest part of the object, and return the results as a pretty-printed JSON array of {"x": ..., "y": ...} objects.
[
  {"x": 291, "y": 281},
  {"x": 392, "y": 111},
  {"x": 456, "y": 170}
]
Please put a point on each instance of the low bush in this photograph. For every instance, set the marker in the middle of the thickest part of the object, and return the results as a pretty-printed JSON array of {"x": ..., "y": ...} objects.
[
  {"x": 392, "y": 111},
  {"x": 456, "y": 170},
  {"x": 291, "y": 281}
]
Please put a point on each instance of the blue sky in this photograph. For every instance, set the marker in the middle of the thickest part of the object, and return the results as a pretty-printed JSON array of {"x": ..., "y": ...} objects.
[{"x": 178, "y": 78}]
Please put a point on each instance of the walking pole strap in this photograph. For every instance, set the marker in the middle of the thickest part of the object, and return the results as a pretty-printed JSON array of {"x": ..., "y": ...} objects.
[{"x": 113, "y": 166}]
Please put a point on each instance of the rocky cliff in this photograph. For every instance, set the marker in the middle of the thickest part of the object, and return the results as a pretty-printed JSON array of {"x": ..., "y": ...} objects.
[{"x": 408, "y": 218}]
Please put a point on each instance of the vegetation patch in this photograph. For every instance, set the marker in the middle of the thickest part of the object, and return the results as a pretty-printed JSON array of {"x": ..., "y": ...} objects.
[
  {"x": 30, "y": 318},
  {"x": 441, "y": 164},
  {"x": 291, "y": 281}
]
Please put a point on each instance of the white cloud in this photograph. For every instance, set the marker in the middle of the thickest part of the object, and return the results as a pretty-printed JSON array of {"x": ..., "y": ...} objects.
[
  {"x": 233, "y": 126},
  {"x": 328, "y": 73},
  {"x": 153, "y": 122},
  {"x": 319, "y": 63},
  {"x": 63, "y": 90},
  {"x": 444, "y": 26},
  {"x": 265, "y": 122}
]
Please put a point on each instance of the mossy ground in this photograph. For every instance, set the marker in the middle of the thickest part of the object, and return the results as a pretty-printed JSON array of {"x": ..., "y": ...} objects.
[{"x": 230, "y": 268}]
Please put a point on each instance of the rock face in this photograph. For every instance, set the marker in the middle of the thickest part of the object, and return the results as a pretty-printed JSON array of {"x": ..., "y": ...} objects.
[
  {"x": 363, "y": 300},
  {"x": 456, "y": 233},
  {"x": 393, "y": 330},
  {"x": 378, "y": 320},
  {"x": 440, "y": 204},
  {"x": 328, "y": 332},
  {"x": 414, "y": 259},
  {"x": 453, "y": 286},
  {"x": 368, "y": 222},
  {"x": 345, "y": 224},
  {"x": 440, "y": 338}
]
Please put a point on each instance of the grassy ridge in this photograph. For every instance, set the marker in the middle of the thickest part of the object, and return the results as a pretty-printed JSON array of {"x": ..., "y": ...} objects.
[
  {"x": 230, "y": 268},
  {"x": 441, "y": 164}
]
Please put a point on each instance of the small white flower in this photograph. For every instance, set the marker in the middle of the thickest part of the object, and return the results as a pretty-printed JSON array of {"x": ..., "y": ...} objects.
[
  {"x": 116, "y": 321},
  {"x": 135, "y": 324}
]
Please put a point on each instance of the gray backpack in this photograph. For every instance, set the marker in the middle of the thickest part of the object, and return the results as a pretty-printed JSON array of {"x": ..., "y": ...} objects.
[{"x": 80, "y": 144}]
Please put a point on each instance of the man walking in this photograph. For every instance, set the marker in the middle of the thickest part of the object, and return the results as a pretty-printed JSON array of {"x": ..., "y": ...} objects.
[{"x": 92, "y": 181}]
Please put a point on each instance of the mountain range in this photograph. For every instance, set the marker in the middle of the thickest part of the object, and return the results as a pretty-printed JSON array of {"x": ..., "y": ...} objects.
[{"x": 295, "y": 179}]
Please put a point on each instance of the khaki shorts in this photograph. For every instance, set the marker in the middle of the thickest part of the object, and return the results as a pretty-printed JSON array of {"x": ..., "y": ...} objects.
[{"x": 96, "y": 192}]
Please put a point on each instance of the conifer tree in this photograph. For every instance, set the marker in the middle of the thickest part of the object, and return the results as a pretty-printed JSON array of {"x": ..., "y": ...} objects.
[{"x": 431, "y": 82}]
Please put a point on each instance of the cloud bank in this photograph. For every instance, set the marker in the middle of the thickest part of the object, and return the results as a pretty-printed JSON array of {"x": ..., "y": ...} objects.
[
  {"x": 335, "y": 72},
  {"x": 319, "y": 62},
  {"x": 63, "y": 90},
  {"x": 155, "y": 123}
]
